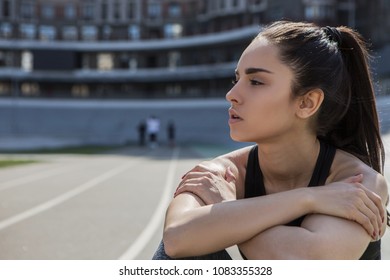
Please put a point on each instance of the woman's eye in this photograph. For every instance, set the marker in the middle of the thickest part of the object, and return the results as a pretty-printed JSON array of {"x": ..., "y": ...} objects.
[
  {"x": 252, "y": 82},
  {"x": 234, "y": 81},
  {"x": 256, "y": 83}
]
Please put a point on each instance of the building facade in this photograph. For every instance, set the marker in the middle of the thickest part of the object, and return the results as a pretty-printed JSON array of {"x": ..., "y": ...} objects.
[{"x": 143, "y": 48}]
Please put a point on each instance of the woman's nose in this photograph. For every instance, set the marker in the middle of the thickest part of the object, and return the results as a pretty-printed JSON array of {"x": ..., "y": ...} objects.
[{"x": 231, "y": 95}]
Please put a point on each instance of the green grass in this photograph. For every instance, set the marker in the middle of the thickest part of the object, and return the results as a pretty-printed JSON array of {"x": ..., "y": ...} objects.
[
  {"x": 67, "y": 150},
  {"x": 13, "y": 162},
  {"x": 76, "y": 150}
]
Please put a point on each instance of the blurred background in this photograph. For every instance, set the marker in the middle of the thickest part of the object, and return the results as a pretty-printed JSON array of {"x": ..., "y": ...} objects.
[
  {"x": 74, "y": 72},
  {"x": 92, "y": 73}
]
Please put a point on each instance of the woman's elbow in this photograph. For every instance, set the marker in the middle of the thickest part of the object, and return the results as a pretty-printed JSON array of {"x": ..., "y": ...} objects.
[{"x": 171, "y": 240}]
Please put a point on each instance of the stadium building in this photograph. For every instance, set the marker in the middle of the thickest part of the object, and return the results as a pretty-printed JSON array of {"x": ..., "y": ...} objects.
[{"x": 142, "y": 48}]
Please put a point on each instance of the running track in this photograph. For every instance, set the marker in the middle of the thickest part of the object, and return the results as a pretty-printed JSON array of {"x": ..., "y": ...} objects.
[{"x": 108, "y": 206}]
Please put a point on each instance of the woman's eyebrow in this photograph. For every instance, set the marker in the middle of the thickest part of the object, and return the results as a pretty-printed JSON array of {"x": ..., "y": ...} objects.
[
  {"x": 253, "y": 70},
  {"x": 256, "y": 70}
]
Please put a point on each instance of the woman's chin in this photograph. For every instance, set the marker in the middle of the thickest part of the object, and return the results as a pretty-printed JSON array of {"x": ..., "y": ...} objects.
[{"x": 238, "y": 138}]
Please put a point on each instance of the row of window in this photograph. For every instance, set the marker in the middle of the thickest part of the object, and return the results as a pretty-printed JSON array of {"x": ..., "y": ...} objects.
[
  {"x": 85, "y": 32},
  {"x": 67, "y": 60},
  {"x": 86, "y": 10},
  {"x": 83, "y": 90}
]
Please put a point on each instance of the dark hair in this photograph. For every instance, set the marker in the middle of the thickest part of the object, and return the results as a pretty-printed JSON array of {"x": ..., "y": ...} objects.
[{"x": 336, "y": 60}]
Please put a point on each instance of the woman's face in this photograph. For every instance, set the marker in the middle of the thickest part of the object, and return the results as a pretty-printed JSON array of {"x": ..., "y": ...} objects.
[{"x": 262, "y": 106}]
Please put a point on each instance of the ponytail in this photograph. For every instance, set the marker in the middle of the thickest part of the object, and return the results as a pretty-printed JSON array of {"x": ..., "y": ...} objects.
[
  {"x": 361, "y": 119},
  {"x": 358, "y": 131}
]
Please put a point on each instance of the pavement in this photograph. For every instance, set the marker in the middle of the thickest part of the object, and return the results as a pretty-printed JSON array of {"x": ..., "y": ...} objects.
[{"x": 106, "y": 206}]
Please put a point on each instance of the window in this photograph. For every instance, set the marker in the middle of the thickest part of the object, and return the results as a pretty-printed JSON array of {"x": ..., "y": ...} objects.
[
  {"x": 2, "y": 58},
  {"x": 131, "y": 9},
  {"x": 173, "y": 90},
  {"x": 5, "y": 30},
  {"x": 173, "y": 60},
  {"x": 86, "y": 61},
  {"x": 29, "y": 89},
  {"x": 134, "y": 32},
  {"x": 89, "y": 33},
  {"x": 27, "y": 61},
  {"x": 69, "y": 33},
  {"x": 259, "y": 4},
  {"x": 70, "y": 11},
  {"x": 5, "y": 88},
  {"x": 154, "y": 10},
  {"x": 313, "y": 12},
  {"x": 27, "y": 9},
  {"x": 47, "y": 33},
  {"x": 104, "y": 9},
  {"x": 5, "y": 8},
  {"x": 107, "y": 32},
  {"x": 27, "y": 31},
  {"x": 117, "y": 10},
  {"x": 105, "y": 61},
  {"x": 88, "y": 11},
  {"x": 48, "y": 11},
  {"x": 173, "y": 30},
  {"x": 81, "y": 90},
  {"x": 174, "y": 10},
  {"x": 133, "y": 63}
]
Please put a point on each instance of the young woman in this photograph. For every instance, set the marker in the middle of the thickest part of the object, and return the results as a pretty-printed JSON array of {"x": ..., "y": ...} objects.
[{"x": 304, "y": 95}]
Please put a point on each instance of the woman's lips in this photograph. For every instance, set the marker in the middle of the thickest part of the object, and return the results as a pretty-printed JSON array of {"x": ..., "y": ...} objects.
[{"x": 234, "y": 117}]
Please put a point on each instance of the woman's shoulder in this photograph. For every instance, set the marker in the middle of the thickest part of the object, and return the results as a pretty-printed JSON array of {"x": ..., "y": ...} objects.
[
  {"x": 238, "y": 157},
  {"x": 346, "y": 165},
  {"x": 237, "y": 161}
]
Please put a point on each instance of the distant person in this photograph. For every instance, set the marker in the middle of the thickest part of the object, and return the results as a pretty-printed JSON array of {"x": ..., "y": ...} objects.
[
  {"x": 153, "y": 129},
  {"x": 171, "y": 131},
  {"x": 141, "y": 132}
]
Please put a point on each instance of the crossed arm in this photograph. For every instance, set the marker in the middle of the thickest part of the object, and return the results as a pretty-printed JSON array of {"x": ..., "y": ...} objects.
[{"x": 205, "y": 217}]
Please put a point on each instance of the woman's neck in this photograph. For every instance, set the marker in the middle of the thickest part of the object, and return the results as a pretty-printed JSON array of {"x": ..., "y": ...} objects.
[{"x": 288, "y": 164}]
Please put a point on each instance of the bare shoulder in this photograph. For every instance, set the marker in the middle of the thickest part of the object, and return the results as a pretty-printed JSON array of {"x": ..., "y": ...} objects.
[
  {"x": 346, "y": 165},
  {"x": 237, "y": 157},
  {"x": 237, "y": 161}
]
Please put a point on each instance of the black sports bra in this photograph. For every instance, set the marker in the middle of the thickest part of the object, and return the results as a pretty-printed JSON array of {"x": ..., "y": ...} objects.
[{"x": 254, "y": 186}]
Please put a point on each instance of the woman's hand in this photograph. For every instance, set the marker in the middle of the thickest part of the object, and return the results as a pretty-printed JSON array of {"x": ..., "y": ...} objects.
[
  {"x": 210, "y": 182},
  {"x": 351, "y": 200}
]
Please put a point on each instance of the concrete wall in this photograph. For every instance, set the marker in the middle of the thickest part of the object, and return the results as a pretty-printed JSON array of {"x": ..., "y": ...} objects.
[
  {"x": 44, "y": 122},
  {"x": 110, "y": 122}
]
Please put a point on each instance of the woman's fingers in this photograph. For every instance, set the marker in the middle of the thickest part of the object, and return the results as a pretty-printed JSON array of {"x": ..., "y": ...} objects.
[
  {"x": 351, "y": 200},
  {"x": 362, "y": 208},
  {"x": 368, "y": 220},
  {"x": 209, "y": 184},
  {"x": 374, "y": 203},
  {"x": 354, "y": 179},
  {"x": 361, "y": 218},
  {"x": 373, "y": 209},
  {"x": 190, "y": 184},
  {"x": 229, "y": 176}
]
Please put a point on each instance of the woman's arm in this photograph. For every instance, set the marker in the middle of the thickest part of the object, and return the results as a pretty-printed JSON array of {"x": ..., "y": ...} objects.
[
  {"x": 192, "y": 228},
  {"x": 320, "y": 236}
]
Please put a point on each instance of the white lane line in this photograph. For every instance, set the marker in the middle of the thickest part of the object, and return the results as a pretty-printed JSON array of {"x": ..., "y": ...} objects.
[
  {"x": 31, "y": 178},
  {"x": 65, "y": 196},
  {"x": 158, "y": 215}
]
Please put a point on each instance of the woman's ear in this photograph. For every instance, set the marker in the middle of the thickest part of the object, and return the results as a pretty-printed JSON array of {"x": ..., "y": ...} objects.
[{"x": 309, "y": 103}]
